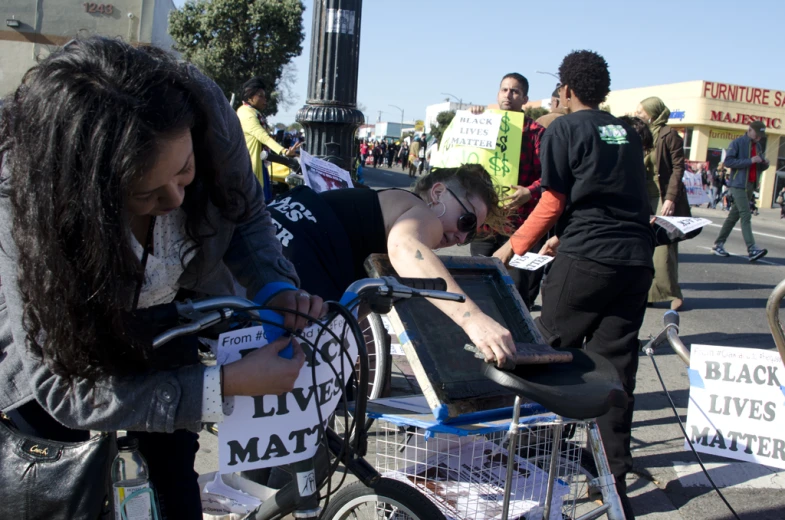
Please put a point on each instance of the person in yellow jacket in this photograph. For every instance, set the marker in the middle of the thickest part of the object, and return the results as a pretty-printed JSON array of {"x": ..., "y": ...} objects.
[{"x": 257, "y": 137}]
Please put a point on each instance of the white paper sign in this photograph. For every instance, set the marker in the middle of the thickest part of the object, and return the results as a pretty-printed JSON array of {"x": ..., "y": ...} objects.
[
  {"x": 475, "y": 130},
  {"x": 271, "y": 430},
  {"x": 696, "y": 195},
  {"x": 737, "y": 404},
  {"x": 321, "y": 175},
  {"x": 684, "y": 224},
  {"x": 530, "y": 261}
]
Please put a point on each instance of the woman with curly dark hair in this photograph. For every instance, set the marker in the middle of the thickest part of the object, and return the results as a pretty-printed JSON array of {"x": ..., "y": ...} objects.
[
  {"x": 125, "y": 180},
  {"x": 595, "y": 193}
]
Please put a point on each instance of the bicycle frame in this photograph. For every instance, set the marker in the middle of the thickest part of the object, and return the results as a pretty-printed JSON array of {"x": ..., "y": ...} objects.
[{"x": 290, "y": 498}]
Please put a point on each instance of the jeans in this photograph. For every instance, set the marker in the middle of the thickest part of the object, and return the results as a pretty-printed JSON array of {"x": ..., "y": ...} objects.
[
  {"x": 740, "y": 210},
  {"x": 600, "y": 307},
  {"x": 713, "y": 197}
]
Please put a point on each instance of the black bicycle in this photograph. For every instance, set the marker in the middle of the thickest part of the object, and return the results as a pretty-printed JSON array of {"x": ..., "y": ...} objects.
[{"x": 391, "y": 499}]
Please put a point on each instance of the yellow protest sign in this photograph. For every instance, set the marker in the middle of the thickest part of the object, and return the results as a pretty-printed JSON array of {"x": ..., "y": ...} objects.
[{"x": 466, "y": 141}]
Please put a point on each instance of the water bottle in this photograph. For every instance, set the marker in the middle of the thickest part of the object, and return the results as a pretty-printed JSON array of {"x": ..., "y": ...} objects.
[{"x": 133, "y": 493}]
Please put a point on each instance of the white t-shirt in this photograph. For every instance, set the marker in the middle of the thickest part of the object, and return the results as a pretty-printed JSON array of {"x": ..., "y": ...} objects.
[{"x": 164, "y": 267}]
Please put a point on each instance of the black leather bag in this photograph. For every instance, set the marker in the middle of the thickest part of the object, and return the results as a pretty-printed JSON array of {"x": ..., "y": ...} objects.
[{"x": 43, "y": 479}]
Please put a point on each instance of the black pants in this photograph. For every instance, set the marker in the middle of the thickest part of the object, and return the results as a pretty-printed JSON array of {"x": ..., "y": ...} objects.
[
  {"x": 170, "y": 458},
  {"x": 602, "y": 306},
  {"x": 527, "y": 282}
]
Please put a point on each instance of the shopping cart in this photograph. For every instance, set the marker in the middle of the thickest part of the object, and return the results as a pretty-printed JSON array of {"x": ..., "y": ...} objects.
[{"x": 472, "y": 458}]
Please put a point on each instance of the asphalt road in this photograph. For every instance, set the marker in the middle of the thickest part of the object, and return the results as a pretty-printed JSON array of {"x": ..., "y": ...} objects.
[{"x": 725, "y": 300}]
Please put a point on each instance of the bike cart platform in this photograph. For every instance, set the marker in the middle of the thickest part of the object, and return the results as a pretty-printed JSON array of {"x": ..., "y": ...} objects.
[{"x": 462, "y": 468}]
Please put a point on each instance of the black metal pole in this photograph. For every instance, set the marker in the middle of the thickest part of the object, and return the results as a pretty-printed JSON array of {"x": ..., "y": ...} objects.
[{"x": 330, "y": 116}]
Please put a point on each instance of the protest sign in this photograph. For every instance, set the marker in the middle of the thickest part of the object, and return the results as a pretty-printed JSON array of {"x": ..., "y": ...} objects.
[
  {"x": 501, "y": 160},
  {"x": 321, "y": 175},
  {"x": 736, "y": 404},
  {"x": 530, "y": 261},
  {"x": 696, "y": 194},
  {"x": 475, "y": 130},
  {"x": 271, "y": 430}
]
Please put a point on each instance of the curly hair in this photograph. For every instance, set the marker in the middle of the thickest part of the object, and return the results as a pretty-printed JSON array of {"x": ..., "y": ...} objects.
[
  {"x": 470, "y": 179},
  {"x": 586, "y": 73},
  {"x": 85, "y": 123}
]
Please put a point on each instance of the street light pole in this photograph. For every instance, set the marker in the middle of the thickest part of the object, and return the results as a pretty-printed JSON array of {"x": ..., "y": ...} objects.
[
  {"x": 399, "y": 108},
  {"x": 548, "y": 73},
  {"x": 460, "y": 100},
  {"x": 330, "y": 116}
]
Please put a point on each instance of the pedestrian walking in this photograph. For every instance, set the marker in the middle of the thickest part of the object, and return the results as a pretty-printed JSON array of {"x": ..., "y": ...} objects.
[
  {"x": 665, "y": 165},
  {"x": 595, "y": 294},
  {"x": 415, "y": 162},
  {"x": 745, "y": 157},
  {"x": 363, "y": 151},
  {"x": 403, "y": 155}
]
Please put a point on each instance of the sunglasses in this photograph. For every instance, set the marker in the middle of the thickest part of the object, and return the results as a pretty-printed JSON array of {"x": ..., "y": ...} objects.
[{"x": 467, "y": 222}]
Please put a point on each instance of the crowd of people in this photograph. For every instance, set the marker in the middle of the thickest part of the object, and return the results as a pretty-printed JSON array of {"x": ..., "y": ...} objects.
[{"x": 172, "y": 190}]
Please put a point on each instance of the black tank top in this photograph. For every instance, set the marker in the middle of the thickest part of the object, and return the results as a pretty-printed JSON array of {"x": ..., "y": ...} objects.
[
  {"x": 360, "y": 213},
  {"x": 328, "y": 236}
]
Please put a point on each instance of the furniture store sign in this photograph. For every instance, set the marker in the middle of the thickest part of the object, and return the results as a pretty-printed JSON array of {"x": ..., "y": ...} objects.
[{"x": 737, "y": 404}]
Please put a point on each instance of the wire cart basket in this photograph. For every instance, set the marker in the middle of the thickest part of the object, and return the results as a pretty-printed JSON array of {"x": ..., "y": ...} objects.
[{"x": 464, "y": 469}]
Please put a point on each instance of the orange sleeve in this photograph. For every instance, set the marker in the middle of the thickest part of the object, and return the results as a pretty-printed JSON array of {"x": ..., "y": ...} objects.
[{"x": 544, "y": 216}]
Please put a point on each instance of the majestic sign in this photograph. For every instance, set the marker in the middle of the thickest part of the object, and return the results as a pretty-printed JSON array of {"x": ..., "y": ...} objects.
[{"x": 744, "y": 119}]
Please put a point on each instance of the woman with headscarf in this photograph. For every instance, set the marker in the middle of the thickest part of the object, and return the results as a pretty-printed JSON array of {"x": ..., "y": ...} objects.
[{"x": 664, "y": 170}]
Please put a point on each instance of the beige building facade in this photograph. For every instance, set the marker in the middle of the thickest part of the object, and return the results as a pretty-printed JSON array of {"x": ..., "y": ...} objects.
[
  {"x": 709, "y": 115},
  {"x": 32, "y": 28}
]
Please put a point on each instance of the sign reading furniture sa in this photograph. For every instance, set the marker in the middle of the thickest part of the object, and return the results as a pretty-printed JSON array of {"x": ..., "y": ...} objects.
[{"x": 751, "y": 95}]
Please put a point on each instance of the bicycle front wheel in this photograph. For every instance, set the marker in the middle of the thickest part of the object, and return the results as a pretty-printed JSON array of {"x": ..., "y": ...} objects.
[
  {"x": 377, "y": 342},
  {"x": 386, "y": 499}
]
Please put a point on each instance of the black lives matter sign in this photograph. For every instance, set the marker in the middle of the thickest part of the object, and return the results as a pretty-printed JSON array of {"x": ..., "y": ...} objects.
[{"x": 737, "y": 404}]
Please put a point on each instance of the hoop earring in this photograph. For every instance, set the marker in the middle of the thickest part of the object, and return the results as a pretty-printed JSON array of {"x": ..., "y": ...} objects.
[{"x": 444, "y": 210}]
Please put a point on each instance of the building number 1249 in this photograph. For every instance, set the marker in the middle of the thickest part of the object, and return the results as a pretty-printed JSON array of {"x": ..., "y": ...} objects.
[{"x": 98, "y": 8}]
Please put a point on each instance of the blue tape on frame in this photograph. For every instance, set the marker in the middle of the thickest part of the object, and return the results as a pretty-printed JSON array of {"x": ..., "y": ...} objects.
[
  {"x": 428, "y": 434},
  {"x": 695, "y": 378},
  {"x": 403, "y": 338}
]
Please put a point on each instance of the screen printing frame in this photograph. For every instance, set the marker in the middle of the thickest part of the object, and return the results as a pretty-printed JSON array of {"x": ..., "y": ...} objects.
[{"x": 455, "y": 395}]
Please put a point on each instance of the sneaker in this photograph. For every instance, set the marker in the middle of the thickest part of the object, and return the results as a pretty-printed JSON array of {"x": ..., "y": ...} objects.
[
  {"x": 756, "y": 253},
  {"x": 719, "y": 250}
]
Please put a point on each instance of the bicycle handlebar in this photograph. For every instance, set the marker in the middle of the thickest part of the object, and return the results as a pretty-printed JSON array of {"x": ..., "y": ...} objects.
[
  {"x": 669, "y": 334},
  {"x": 207, "y": 312}
]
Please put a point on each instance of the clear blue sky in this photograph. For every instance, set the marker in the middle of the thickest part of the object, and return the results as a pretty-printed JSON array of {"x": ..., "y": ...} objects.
[{"x": 412, "y": 50}]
